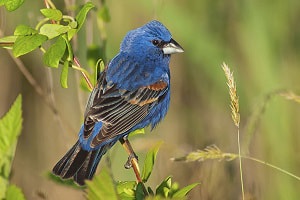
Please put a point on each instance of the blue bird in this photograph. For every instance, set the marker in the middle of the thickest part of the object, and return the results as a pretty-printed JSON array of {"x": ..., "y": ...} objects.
[{"x": 132, "y": 92}]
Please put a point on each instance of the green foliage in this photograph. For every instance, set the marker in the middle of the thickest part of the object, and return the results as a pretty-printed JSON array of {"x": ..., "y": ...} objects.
[
  {"x": 53, "y": 30},
  {"x": 26, "y": 44},
  {"x": 149, "y": 162},
  {"x": 54, "y": 25},
  {"x": 11, "y": 5},
  {"x": 8, "y": 41},
  {"x": 10, "y": 129},
  {"x": 55, "y": 52},
  {"x": 24, "y": 30},
  {"x": 53, "y": 14},
  {"x": 64, "y": 74},
  {"x": 80, "y": 18},
  {"x": 103, "y": 186},
  {"x": 14, "y": 193}
]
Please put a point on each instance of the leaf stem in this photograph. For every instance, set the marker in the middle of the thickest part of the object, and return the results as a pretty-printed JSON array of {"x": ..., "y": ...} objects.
[
  {"x": 76, "y": 61},
  {"x": 49, "y": 4},
  {"x": 41, "y": 23},
  {"x": 270, "y": 165}
]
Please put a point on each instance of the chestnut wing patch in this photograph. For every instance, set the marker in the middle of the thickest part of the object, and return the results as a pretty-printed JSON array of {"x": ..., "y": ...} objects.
[{"x": 119, "y": 110}]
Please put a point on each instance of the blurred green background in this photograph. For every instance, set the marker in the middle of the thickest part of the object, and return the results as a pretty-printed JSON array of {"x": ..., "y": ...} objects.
[{"x": 260, "y": 40}]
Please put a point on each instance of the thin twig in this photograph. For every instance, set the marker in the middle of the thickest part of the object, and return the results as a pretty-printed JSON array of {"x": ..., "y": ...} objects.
[{"x": 86, "y": 78}]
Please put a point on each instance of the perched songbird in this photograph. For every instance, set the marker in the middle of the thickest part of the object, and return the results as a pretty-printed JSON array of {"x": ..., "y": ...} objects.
[{"x": 132, "y": 92}]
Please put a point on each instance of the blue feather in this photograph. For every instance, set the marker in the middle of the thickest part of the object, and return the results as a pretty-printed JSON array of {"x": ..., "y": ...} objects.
[{"x": 132, "y": 93}]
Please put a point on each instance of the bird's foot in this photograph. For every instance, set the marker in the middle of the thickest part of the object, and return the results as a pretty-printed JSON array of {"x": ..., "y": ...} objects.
[{"x": 128, "y": 163}]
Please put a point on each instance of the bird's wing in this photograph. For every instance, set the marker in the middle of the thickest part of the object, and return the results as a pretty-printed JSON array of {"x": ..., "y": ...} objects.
[{"x": 119, "y": 110}]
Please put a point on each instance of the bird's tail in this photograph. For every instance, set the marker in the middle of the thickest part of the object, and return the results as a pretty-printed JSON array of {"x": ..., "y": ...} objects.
[{"x": 79, "y": 164}]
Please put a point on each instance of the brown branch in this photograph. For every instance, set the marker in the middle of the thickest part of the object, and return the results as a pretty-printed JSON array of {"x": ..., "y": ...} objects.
[
  {"x": 132, "y": 159},
  {"x": 86, "y": 78}
]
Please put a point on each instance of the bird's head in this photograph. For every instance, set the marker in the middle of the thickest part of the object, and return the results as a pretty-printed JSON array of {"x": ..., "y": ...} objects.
[{"x": 153, "y": 37}]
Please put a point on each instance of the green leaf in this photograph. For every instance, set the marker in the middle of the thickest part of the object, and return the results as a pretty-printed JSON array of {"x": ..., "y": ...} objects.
[
  {"x": 10, "y": 126},
  {"x": 125, "y": 185},
  {"x": 10, "y": 129},
  {"x": 8, "y": 41},
  {"x": 80, "y": 18},
  {"x": 64, "y": 74},
  {"x": 126, "y": 190},
  {"x": 26, "y": 44},
  {"x": 101, "y": 187},
  {"x": 12, "y": 5},
  {"x": 139, "y": 193},
  {"x": 137, "y": 132},
  {"x": 103, "y": 13},
  {"x": 14, "y": 193},
  {"x": 24, "y": 30},
  {"x": 55, "y": 52},
  {"x": 53, "y": 30},
  {"x": 149, "y": 162},
  {"x": 184, "y": 191},
  {"x": 164, "y": 188},
  {"x": 52, "y": 13}
]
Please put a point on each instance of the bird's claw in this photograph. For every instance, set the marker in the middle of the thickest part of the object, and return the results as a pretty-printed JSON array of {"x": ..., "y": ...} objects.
[{"x": 128, "y": 163}]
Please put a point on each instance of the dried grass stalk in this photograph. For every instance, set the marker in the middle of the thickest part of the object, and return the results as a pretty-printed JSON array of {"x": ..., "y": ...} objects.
[{"x": 234, "y": 99}]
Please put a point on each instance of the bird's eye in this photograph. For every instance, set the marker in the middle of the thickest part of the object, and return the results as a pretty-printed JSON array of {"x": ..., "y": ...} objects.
[{"x": 155, "y": 42}]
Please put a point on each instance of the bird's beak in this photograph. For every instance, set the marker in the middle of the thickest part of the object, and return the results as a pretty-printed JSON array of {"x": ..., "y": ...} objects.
[{"x": 172, "y": 47}]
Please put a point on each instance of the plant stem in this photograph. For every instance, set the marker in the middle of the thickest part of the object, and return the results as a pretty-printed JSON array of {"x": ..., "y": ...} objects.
[
  {"x": 240, "y": 163},
  {"x": 270, "y": 165},
  {"x": 76, "y": 61}
]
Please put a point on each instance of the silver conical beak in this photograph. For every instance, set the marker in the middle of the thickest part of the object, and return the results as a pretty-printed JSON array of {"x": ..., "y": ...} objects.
[{"x": 172, "y": 47}]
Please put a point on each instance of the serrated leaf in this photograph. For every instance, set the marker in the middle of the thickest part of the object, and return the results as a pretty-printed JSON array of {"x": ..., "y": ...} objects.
[
  {"x": 184, "y": 191},
  {"x": 10, "y": 126},
  {"x": 53, "y": 30},
  {"x": 64, "y": 74},
  {"x": 103, "y": 13},
  {"x": 67, "y": 182},
  {"x": 139, "y": 192},
  {"x": 164, "y": 187},
  {"x": 52, "y": 13},
  {"x": 24, "y": 30},
  {"x": 14, "y": 193},
  {"x": 80, "y": 18},
  {"x": 8, "y": 41},
  {"x": 149, "y": 162},
  {"x": 55, "y": 52},
  {"x": 12, "y": 5},
  {"x": 10, "y": 129},
  {"x": 101, "y": 187},
  {"x": 26, "y": 44}
]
